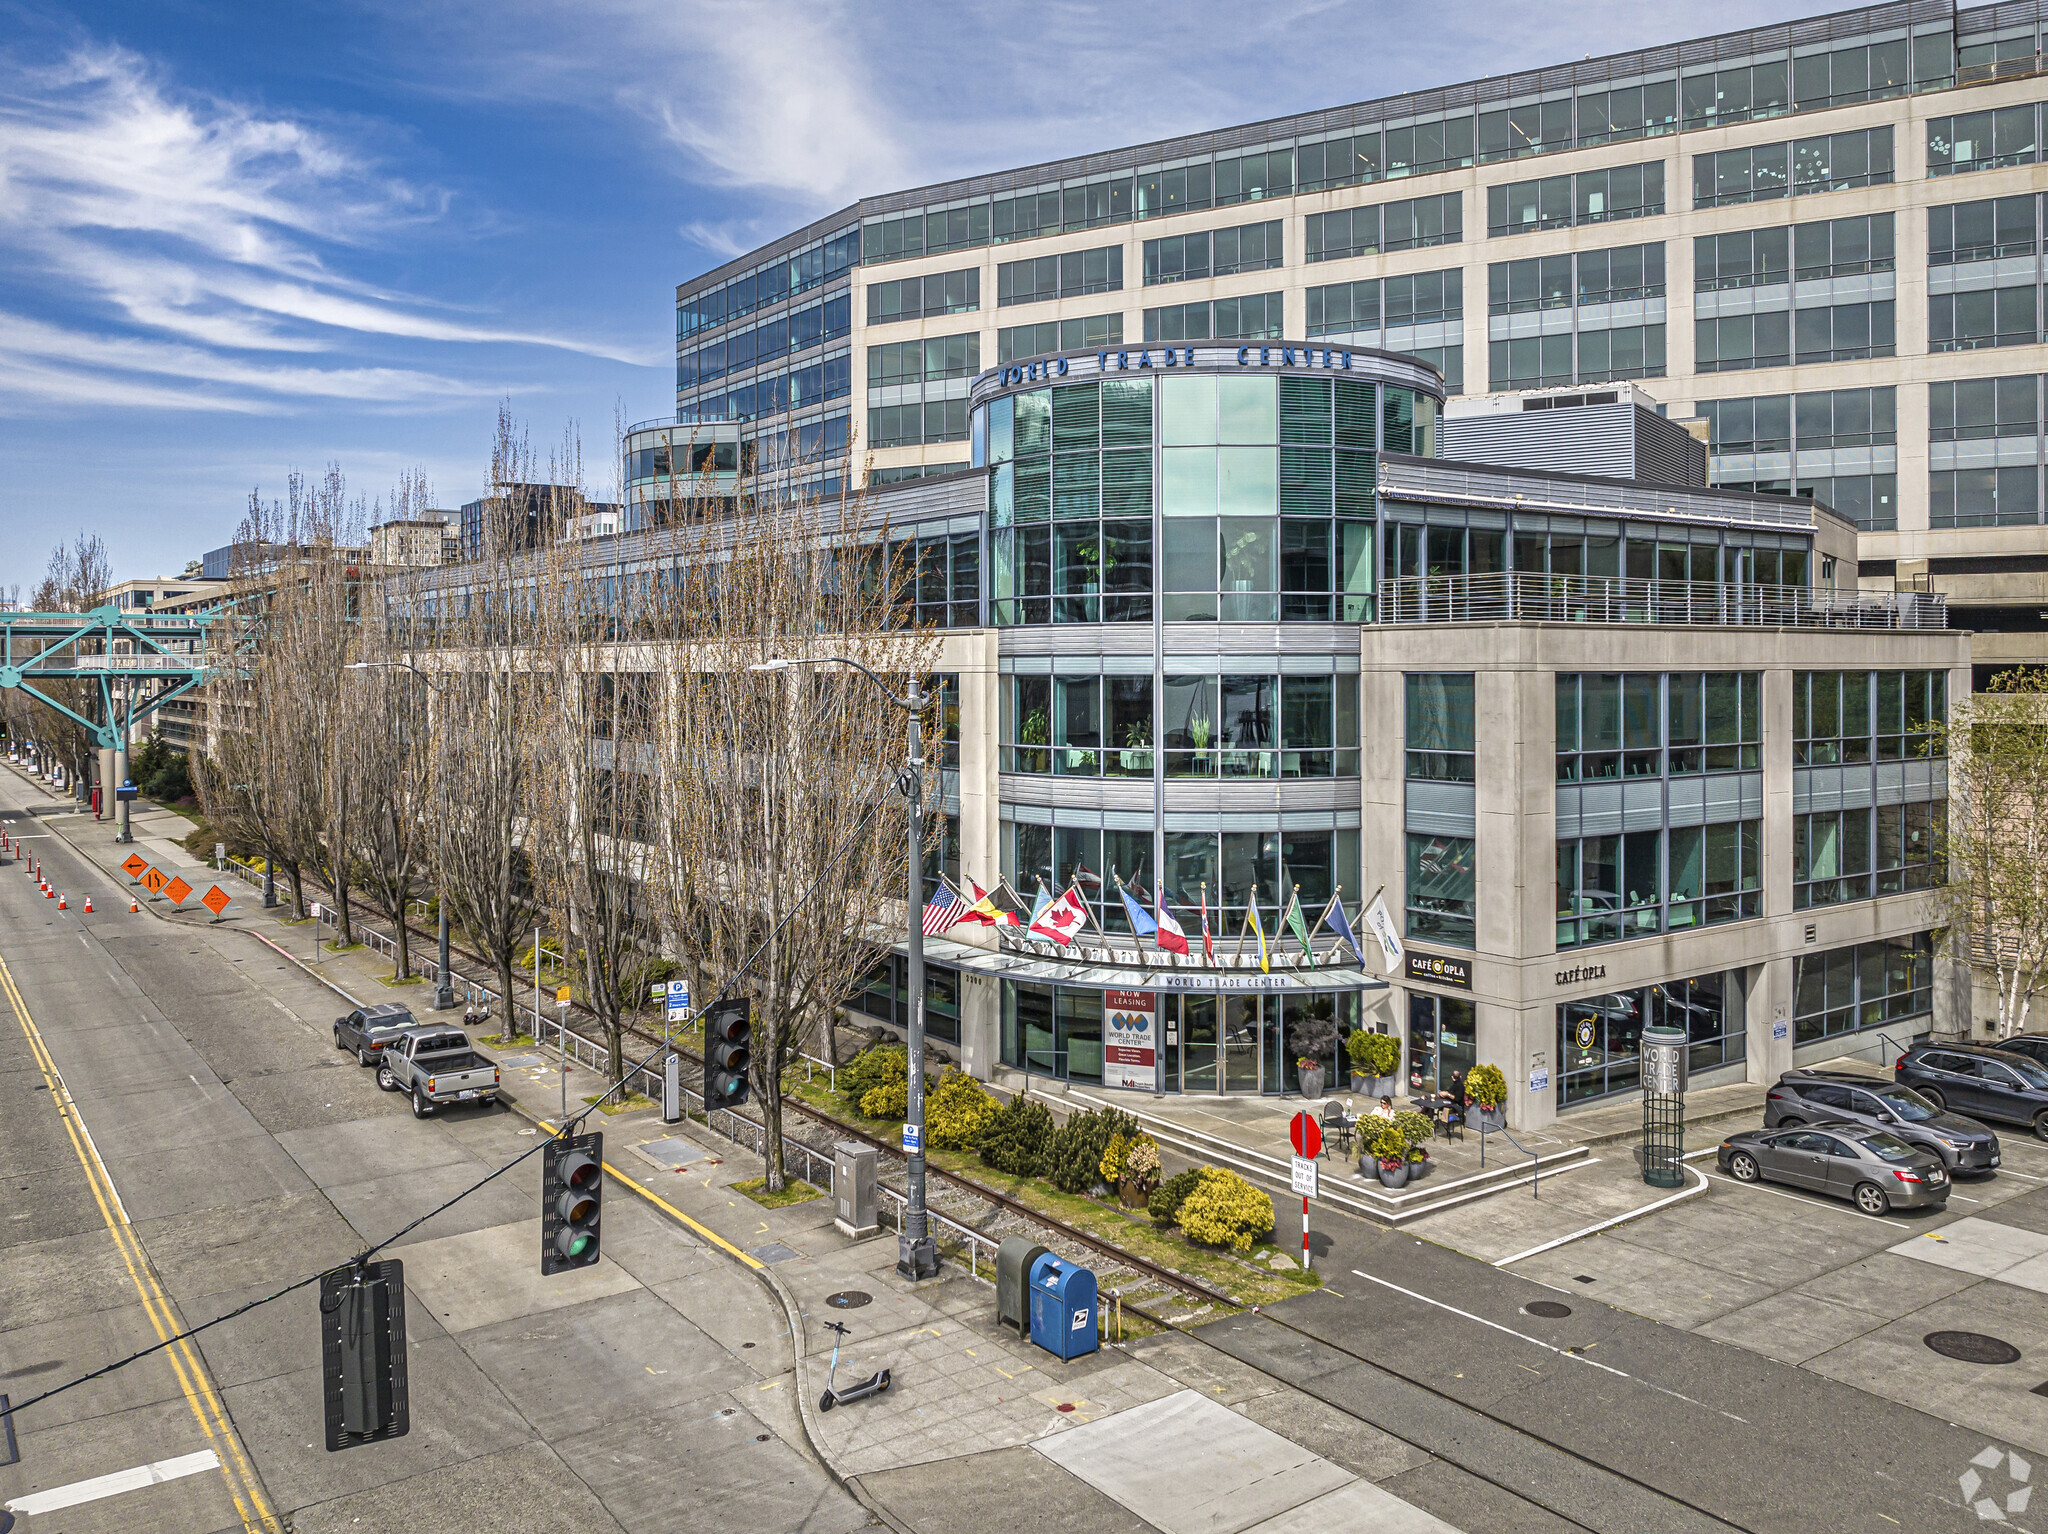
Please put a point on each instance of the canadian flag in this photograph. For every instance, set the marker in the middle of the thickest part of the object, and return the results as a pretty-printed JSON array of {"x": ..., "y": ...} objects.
[{"x": 1061, "y": 920}]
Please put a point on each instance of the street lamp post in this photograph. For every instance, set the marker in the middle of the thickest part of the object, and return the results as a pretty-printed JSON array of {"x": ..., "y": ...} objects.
[
  {"x": 917, "y": 1253},
  {"x": 444, "y": 988}
]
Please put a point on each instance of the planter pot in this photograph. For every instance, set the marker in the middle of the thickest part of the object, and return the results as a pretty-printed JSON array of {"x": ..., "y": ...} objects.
[
  {"x": 1488, "y": 1119},
  {"x": 1132, "y": 1195},
  {"x": 1312, "y": 1083},
  {"x": 1382, "y": 1086},
  {"x": 1419, "y": 1169},
  {"x": 1395, "y": 1177}
]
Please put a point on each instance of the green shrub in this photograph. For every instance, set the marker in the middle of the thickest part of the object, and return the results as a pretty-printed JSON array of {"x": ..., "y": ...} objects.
[
  {"x": 1384, "y": 1143},
  {"x": 1113, "y": 1160},
  {"x": 1225, "y": 1210},
  {"x": 1164, "y": 1205},
  {"x": 877, "y": 1066},
  {"x": 1417, "y": 1129},
  {"x": 956, "y": 1112},
  {"x": 1486, "y": 1086},
  {"x": 1078, "y": 1146},
  {"x": 890, "y": 1100},
  {"x": 1373, "y": 1054},
  {"x": 1018, "y": 1138}
]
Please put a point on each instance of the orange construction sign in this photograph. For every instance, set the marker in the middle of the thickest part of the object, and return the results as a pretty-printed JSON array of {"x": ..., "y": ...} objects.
[
  {"x": 215, "y": 900},
  {"x": 154, "y": 879},
  {"x": 176, "y": 891},
  {"x": 135, "y": 865}
]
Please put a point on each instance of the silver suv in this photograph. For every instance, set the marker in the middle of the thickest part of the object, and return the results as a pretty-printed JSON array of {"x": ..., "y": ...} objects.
[{"x": 1812, "y": 1096}]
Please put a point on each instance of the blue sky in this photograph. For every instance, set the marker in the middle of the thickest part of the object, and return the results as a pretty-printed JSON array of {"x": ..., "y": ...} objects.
[{"x": 241, "y": 239}]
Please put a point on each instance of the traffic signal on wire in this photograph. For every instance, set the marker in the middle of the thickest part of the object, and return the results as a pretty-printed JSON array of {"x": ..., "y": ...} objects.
[
  {"x": 571, "y": 1202},
  {"x": 728, "y": 1027}
]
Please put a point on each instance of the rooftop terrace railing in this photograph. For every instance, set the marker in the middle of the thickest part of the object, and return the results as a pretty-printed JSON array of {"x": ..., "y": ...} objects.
[{"x": 1520, "y": 596}]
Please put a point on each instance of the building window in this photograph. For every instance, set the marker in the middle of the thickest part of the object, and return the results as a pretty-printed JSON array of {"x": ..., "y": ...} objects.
[
  {"x": 781, "y": 278},
  {"x": 1739, "y": 342},
  {"x": 1599, "y": 1038},
  {"x": 1439, "y": 727},
  {"x": 1842, "y": 247},
  {"x": 1983, "y": 140},
  {"x": 936, "y": 420},
  {"x": 1213, "y": 253},
  {"x": 1982, "y": 231},
  {"x": 1441, "y": 890},
  {"x": 1826, "y": 163},
  {"x": 1866, "y": 716},
  {"x": 1048, "y": 336},
  {"x": 929, "y": 360},
  {"x": 924, "y": 233},
  {"x": 1591, "y": 197},
  {"x": 1076, "y": 274},
  {"x": 1844, "y": 332},
  {"x": 1988, "y": 317},
  {"x": 1411, "y": 224},
  {"x": 1865, "y": 985},
  {"x": 937, "y": 293},
  {"x": 1976, "y": 409},
  {"x": 1386, "y": 311},
  {"x": 1629, "y": 112},
  {"x": 1984, "y": 497},
  {"x": 1844, "y": 855},
  {"x": 1255, "y": 317},
  {"x": 1530, "y": 127}
]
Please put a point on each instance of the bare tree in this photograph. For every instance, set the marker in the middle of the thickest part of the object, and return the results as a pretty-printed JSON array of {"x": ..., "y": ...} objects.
[
  {"x": 74, "y": 581},
  {"x": 776, "y": 789},
  {"x": 390, "y": 755},
  {"x": 1996, "y": 899},
  {"x": 479, "y": 620}
]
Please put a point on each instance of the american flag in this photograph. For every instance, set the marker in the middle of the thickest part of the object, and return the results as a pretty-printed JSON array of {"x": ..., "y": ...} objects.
[{"x": 943, "y": 910}]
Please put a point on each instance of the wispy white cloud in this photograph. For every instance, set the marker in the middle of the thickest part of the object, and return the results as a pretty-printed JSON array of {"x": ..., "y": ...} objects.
[{"x": 142, "y": 208}]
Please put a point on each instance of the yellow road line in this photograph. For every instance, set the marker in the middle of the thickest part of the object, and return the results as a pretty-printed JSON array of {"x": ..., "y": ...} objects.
[
  {"x": 670, "y": 1209},
  {"x": 242, "y": 1482}
]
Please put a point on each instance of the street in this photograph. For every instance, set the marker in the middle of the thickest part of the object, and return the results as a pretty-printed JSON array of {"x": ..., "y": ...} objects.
[{"x": 187, "y": 1140}]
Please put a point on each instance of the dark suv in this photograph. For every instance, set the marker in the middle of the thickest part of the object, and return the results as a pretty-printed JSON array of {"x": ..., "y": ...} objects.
[
  {"x": 1982, "y": 1083},
  {"x": 1821, "y": 1096},
  {"x": 2033, "y": 1045}
]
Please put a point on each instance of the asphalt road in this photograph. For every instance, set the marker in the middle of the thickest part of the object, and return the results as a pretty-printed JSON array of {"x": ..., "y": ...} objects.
[{"x": 181, "y": 1137}]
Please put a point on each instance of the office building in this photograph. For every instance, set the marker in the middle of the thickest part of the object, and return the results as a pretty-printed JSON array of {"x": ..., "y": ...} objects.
[{"x": 1821, "y": 237}]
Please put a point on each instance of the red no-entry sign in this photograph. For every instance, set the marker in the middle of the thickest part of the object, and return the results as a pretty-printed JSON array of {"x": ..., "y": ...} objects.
[{"x": 1306, "y": 1135}]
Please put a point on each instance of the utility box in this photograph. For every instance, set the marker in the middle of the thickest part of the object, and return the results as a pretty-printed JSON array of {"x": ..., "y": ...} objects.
[
  {"x": 1063, "y": 1307},
  {"x": 1014, "y": 1258},
  {"x": 853, "y": 1189}
]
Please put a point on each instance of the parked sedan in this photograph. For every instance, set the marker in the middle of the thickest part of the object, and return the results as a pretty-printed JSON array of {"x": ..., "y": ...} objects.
[
  {"x": 368, "y": 1029},
  {"x": 1875, "y": 1170},
  {"x": 1810, "y": 1096}
]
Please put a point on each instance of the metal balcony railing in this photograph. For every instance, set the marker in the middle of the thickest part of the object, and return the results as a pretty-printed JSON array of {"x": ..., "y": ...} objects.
[{"x": 1527, "y": 597}]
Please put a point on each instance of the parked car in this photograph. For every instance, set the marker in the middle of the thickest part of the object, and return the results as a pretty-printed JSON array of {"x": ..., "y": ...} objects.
[
  {"x": 1982, "y": 1083},
  {"x": 437, "y": 1066},
  {"x": 1812, "y": 1096},
  {"x": 368, "y": 1029},
  {"x": 2033, "y": 1045},
  {"x": 1875, "y": 1170}
]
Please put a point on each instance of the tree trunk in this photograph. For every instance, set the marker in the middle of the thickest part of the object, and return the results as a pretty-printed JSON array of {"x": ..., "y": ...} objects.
[
  {"x": 508, "y": 1023},
  {"x": 403, "y": 942},
  {"x": 771, "y": 1117},
  {"x": 293, "y": 873}
]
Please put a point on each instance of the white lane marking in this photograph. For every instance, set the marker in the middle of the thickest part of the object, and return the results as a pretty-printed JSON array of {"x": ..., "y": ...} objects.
[
  {"x": 1609, "y": 1224},
  {"x": 60, "y": 1497},
  {"x": 1811, "y": 1203},
  {"x": 1549, "y": 1347}
]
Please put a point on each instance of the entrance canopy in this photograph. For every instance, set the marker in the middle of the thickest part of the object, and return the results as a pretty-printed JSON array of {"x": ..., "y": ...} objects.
[{"x": 1093, "y": 975}]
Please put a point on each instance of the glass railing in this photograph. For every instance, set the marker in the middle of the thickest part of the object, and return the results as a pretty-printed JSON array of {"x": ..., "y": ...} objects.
[{"x": 1528, "y": 597}]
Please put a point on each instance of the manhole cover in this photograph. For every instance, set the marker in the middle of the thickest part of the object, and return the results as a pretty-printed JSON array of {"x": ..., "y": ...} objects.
[
  {"x": 1550, "y": 1310},
  {"x": 1972, "y": 1347},
  {"x": 848, "y": 1299}
]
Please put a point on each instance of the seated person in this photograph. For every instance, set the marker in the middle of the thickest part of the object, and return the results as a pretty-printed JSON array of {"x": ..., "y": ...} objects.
[{"x": 1385, "y": 1110}]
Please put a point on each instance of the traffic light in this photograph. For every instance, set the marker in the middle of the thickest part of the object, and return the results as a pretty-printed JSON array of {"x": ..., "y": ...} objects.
[
  {"x": 571, "y": 1201},
  {"x": 362, "y": 1347},
  {"x": 726, "y": 1053}
]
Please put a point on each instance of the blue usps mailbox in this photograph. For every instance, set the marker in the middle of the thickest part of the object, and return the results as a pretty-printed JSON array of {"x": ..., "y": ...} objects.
[{"x": 1063, "y": 1307}]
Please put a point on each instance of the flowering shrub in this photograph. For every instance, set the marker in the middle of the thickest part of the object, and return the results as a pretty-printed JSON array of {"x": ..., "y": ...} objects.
[
  {"x": 890, "y": 1100},
  {"x": 1141, "y": 1162},
  {"x": 1225, "y": 1210},
  {"x": 1112, "y": 1163},
  {"x": 957, "y": 1111}
]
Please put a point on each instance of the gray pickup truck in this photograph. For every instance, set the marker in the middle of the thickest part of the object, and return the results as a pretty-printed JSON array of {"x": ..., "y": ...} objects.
[{"x": 437, "y": 1066}]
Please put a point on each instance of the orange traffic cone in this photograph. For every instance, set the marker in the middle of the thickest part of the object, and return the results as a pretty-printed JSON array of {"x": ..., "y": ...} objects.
[
  {"x": 48, "y": 893},
  {"x": 88, "y": 905},
  {"x": 63, "y": 904},
  {"x": 132, "y": 906}
]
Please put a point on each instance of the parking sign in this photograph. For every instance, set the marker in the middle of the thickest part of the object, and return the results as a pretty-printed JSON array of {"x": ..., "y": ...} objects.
[{"x": 679, "y": 1001}]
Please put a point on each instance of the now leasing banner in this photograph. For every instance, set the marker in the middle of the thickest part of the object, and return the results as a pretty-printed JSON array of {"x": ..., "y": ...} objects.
[{"x": 1130, "y": 1054}]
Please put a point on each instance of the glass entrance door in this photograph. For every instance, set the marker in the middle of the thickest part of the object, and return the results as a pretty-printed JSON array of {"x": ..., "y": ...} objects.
[
  {"x": 1421, "y": 1043},
  {"x": 1198, "y": 1043},
  {"x": 1240, "y": 1043},
  {"x": 1457, "y": 1048}
]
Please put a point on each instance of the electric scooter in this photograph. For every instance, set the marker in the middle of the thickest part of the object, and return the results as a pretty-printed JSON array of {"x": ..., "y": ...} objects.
[{"x": 873, "y": 1385}]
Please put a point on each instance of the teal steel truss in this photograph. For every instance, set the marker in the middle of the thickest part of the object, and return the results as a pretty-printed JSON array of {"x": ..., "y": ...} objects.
[{"x": 136, "y": 661}]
